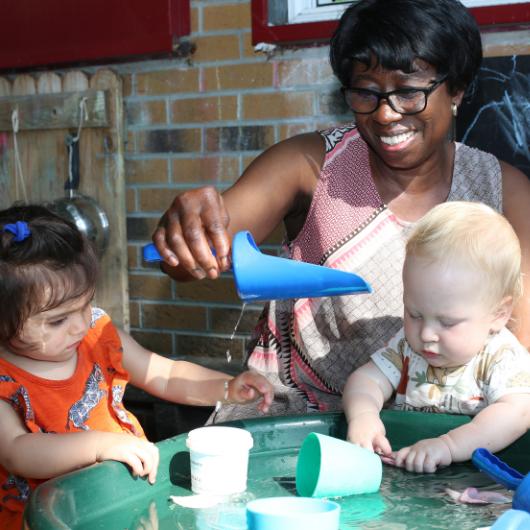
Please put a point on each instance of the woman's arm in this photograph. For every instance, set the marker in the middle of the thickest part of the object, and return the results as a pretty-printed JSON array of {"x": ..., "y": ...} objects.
[
  {"x": 47, "y": 455},
  {"x": 190, "y": 383},
  {"x": 267, "y": 192},
  {"x": 516, "y": 198}
]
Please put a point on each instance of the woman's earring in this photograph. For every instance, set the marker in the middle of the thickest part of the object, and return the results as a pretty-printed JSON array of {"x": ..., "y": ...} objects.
[{"x": 454, "y": 110}]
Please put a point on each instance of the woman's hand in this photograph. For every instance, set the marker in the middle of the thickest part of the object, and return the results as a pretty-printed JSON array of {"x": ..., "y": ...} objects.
[
  {"x": 424, "y": 456},
  {"x": 249, "y": 386},
  {"x": 368, "y": 431},
  {"x": 202, "y": 219},
  {"x": 142, "y": 456},
  {"x": 192, "y": 226}
]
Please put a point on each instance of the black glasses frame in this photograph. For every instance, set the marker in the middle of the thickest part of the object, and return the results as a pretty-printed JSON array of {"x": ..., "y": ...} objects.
[{"x": 386, "y": 95}]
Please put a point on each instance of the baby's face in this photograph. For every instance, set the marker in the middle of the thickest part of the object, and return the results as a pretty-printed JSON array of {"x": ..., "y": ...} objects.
[
  {"x": 447, "y": 318},
  {"x": 54, "y": 335}
]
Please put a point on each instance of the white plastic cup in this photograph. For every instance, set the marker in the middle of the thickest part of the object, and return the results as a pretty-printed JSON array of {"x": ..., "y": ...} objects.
[{"x": 219, "y": 459}]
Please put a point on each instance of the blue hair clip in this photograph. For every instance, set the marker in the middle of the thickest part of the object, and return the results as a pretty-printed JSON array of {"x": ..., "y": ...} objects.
[{"x": 20, "y": 230}]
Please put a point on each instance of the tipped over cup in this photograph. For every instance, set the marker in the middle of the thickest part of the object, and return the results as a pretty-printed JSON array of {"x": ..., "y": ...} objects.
[
  {"x": 330, "y": 467},
  {"x": 292, "y": 513},
  {"x": 219, "y": 459}
]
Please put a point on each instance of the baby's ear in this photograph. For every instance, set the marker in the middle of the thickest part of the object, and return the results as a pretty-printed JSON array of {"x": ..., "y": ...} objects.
[{"x": 502, "y": 314}]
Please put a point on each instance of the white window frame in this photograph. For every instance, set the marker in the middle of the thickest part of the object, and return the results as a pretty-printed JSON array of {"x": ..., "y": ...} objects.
[{"x": 301, "y": 11}]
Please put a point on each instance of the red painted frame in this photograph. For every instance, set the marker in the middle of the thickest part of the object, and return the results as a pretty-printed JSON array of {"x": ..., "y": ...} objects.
[
  {"x": 321, "y": 31},
  {"x": 54, "y": 32}
]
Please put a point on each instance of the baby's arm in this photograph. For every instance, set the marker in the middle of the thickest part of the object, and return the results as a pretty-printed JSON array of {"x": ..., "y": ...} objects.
[
  {"x": 366, "y": 391},
  {"x": 190, "y": 383},
  {"x": 47, "y": 455},
  {"x": 494, "y": 428}
]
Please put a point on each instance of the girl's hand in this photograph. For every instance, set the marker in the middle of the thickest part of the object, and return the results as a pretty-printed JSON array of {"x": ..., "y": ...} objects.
[
  {"x": 424, "y": 456},
  {"x": 368, "y": 431},
  {"x": 142, "y": 456},
  {"x": 249, "y": 386}
]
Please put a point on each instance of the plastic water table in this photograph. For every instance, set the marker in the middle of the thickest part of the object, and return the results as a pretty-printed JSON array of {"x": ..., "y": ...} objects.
[{"x": 105, "y": 496}]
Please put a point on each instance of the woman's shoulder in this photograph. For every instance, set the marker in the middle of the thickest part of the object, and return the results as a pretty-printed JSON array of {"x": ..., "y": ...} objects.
[
  {"x": 336, "y": 136},
  {"x": 477, "y": 177},
  {"x": 469, "y": 155}
]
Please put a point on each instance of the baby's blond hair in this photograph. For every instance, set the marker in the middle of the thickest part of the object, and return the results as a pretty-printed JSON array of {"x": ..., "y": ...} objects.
[{"x": 476, "y": 235}]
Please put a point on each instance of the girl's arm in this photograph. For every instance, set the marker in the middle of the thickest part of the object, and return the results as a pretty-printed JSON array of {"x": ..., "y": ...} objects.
[
  {"x": 366, "y": 391},
  {"x": 47, "y": 455},
  {"x": 189, "y": 383}
]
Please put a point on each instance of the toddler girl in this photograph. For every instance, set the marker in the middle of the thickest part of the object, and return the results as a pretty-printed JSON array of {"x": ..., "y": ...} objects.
[{"x": 64, "y": 366}]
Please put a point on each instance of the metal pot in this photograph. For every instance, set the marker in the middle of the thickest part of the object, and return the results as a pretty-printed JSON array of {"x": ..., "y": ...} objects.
[
  {"x": 88, "y": 216},
  {"x": 80, "y": 209}
]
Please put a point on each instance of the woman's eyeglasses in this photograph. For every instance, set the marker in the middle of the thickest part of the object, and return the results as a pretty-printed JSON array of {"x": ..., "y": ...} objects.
[{"x": 410, "y": 100}]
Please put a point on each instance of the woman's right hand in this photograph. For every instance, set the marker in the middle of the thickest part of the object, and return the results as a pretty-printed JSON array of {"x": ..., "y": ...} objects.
[
  {"x": 194, "y": 224},
  {"x": 199, "y": 220},
  {"x": 142, "y": 456}
]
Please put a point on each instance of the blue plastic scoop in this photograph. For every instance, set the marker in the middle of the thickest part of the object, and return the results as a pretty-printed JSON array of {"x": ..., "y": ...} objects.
[
  {"x": 262, "y": 277},
  {"x": 503, "y": 474}
]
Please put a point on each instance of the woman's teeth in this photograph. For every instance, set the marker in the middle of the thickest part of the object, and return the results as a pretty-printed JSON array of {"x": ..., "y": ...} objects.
[{"x": 397, "y": 139}]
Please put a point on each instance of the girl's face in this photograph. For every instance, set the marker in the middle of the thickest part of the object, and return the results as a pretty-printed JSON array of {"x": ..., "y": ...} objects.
[
  {"x": 54, "y": 335},
  {"x": 404, "y": 141},
  {"x": 447, "y": 318}
]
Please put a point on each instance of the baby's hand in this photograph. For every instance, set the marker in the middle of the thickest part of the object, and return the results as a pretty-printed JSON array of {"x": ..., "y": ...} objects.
[
  {"x": 424, "y": 456},
  {"x": 249, "y": 386},
  {"x": 142, "y": 456},
  {"x": 368, "y": 431}
]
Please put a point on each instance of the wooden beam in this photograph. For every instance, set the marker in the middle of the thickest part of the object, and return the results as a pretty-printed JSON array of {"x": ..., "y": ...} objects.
[{"x": 54, "y": 111}]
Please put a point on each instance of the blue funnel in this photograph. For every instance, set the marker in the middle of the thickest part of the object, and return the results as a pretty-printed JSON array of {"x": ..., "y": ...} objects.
[{"x": 262, "y": 277}]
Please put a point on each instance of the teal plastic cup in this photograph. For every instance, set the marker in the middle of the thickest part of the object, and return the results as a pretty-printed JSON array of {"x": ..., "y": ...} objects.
[
  {"x": 329, "y": 467},
  {"x": 292, "y": 513}
]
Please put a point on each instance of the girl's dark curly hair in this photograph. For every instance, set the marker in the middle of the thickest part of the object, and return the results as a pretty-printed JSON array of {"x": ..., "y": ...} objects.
[{"x": 54, "y": 264}]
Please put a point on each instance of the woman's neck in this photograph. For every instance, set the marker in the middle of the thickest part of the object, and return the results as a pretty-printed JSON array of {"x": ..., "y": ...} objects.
[{"x": 410, "y": 193}]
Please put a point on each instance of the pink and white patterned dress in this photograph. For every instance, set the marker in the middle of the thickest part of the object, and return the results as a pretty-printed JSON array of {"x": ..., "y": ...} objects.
[{"x": 308, "y": 347}]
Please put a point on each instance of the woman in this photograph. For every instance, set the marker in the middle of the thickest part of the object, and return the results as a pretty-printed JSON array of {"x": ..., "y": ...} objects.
[{"x": 349, "y": 195}]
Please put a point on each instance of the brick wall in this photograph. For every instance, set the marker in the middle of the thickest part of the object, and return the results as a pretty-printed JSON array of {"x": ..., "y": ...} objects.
[{"x": 201, "y": 120}]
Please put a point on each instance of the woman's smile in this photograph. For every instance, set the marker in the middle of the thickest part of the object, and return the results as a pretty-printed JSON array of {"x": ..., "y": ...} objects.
[{"x": 397, "y": 142}]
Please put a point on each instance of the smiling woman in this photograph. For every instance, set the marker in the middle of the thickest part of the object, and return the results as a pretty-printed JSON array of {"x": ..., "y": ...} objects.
[{"x": 350, "y": 194}]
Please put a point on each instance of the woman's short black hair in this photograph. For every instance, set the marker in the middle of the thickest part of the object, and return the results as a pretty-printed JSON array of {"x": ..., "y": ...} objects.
[
  {"x": 53, "y": 265},
  {"x": 395, "y": 33}
]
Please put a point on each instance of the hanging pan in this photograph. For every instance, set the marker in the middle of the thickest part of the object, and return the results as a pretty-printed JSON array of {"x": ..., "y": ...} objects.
[{"x": 82, "y": 210}]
